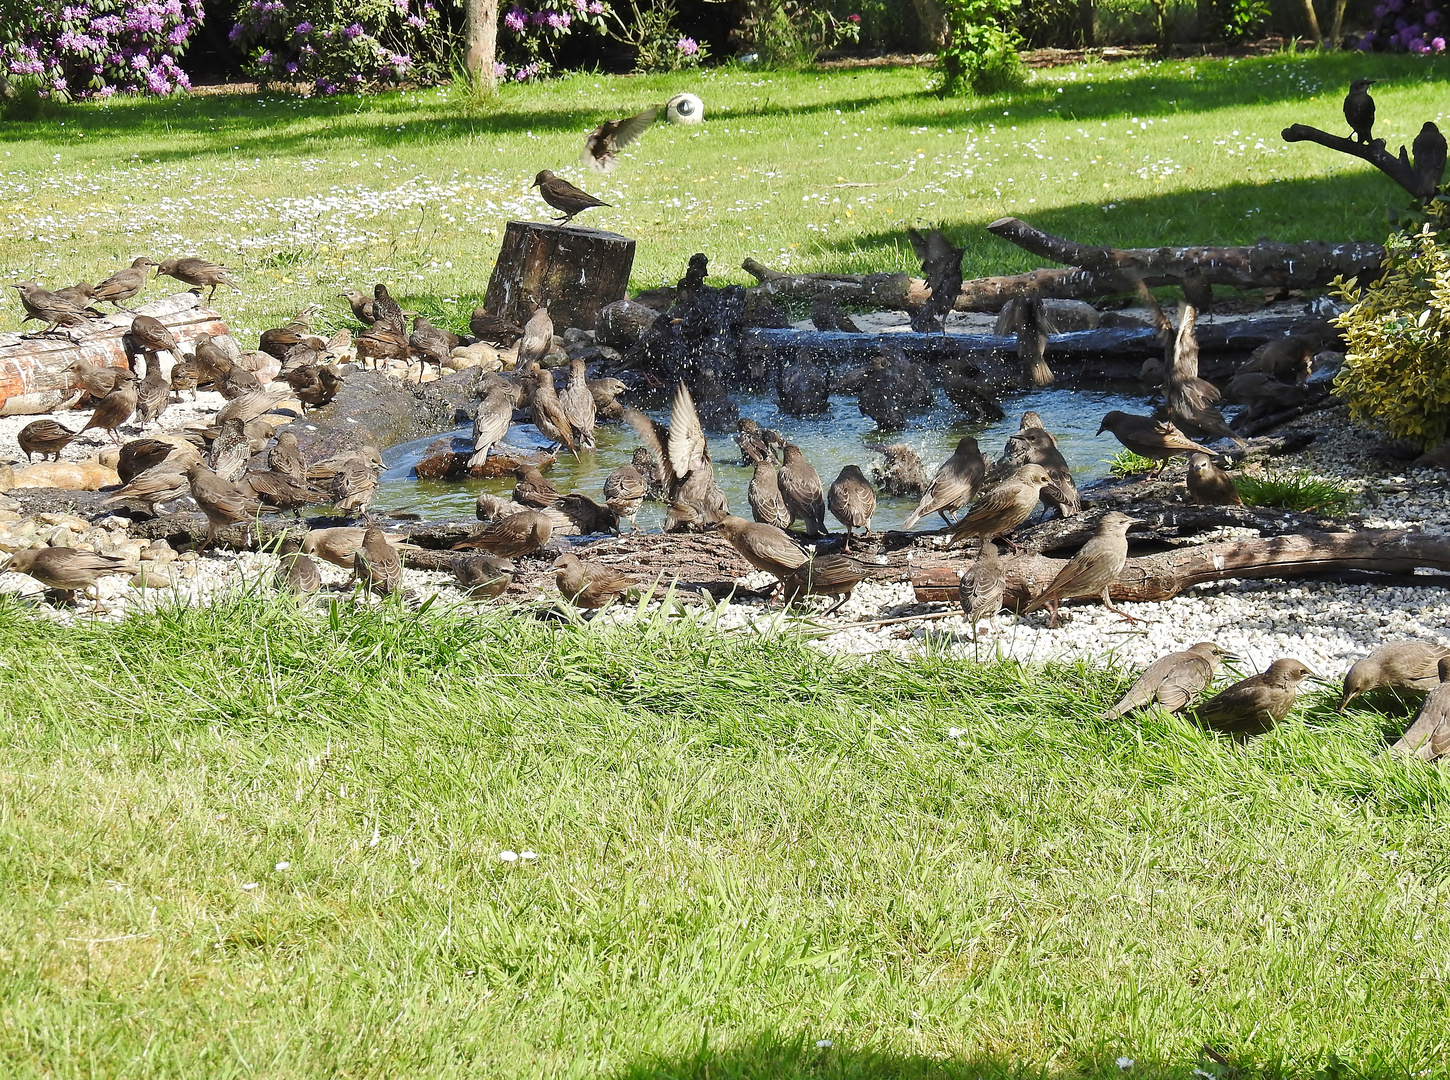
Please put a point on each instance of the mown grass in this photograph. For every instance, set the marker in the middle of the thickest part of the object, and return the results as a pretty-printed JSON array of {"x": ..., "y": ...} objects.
[
  {"x": 306, "y": 196},
  {"x": 244, "y": 841}
]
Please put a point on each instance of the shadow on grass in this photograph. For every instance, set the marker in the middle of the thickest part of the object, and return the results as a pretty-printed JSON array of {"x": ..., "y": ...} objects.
[{"x": 779, "y": 1057}]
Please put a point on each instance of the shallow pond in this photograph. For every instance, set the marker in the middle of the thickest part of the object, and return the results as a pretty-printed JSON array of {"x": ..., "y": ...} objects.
[{"x": 838, "y": 438}]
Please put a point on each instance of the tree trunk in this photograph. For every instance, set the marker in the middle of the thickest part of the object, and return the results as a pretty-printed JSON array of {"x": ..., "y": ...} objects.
[
  {"x": 1336, "y": 28},
  {"x": 481, "y": 42},
  {"x": 1313, "y": 24},
  {"x": 1163, "y": 576},
  {"x": 1088, "y": 22},
  {"x": 572, "y": 271},
  {"x": 933, "y": 21}
]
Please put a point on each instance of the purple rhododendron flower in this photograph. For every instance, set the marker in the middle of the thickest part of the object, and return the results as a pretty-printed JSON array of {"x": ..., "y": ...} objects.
[
  {"x": 557, "y": 20},
  {"x": 688, "y": 45},
  {"x": 516, "y": 20},
  {"x": 416, "y": 22},
  {"x": 303, "y": 28},
  {"x": 500, "y": 70},
  {"x": 352, "y": 32}
]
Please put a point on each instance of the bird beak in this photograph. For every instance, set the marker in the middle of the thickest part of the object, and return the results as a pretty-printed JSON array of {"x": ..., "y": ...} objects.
[
  {"x": 1344, "y": 702},
  {"x": 1101, "y": 430}
]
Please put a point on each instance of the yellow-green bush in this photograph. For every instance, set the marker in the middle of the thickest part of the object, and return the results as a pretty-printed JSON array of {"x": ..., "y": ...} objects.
[{"x": 1397, "y": 364}]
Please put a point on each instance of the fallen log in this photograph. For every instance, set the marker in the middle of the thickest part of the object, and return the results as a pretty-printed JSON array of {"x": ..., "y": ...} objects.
[
  {"x": 888, "y": 291},
  {"x": 33, "y": 370},
  {"x": 1165, "y": 575}
]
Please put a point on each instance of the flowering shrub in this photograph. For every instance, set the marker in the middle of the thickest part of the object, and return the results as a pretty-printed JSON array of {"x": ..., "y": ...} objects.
[
  {"x": 99, "y": 47},
  {"x": 1417, "y": 26},
  {"x": 339, "y": 45},
  {"x": 529, "y": 40}
]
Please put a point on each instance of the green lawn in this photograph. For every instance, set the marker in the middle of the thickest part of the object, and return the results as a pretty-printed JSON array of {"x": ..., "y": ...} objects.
[
  {"x": 278, "y": 854},
  {"x": 305, "y": 196}
]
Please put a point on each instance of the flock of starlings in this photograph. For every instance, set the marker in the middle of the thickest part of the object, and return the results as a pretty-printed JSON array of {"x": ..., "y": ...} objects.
[{"x": 234, "y": 469}]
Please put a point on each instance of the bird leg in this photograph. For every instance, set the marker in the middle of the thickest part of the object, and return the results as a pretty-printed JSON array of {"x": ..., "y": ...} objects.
[
  {"x": 1052, "y": 616},
  {"x": 1108, "y": 603},
  {"x": 832, "y": 609}
]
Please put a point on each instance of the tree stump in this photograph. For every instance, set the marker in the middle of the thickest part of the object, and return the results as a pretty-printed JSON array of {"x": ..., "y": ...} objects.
[{"x": 573, "y": 272}]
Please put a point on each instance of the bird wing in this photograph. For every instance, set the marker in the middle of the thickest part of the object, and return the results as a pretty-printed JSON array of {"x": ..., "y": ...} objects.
[
  {"x": 997, "y": 501},
  {"x": 601, "y": 144},
  {"x": 1185, "y": 346},
  {"x": 1183, "y": 681},
  {"x": 1170, "y": 438},
  {"x": 687, "y": 447},
  {"x": 655, "y": 436},
  {"x": 1432, "y": 724}
]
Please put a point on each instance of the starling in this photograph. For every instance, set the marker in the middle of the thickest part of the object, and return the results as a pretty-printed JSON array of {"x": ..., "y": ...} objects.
[
  {"x": 1092, "y": 571},
  {"x": 941, "y": 266},
  {"x": 683, "y": 453},
  {"x": 1149, "y": 438},
  {"x": 983, "y": 586},
  {"x": 382, "y": 341},
  {"x": 44, "y": 437},
  {"x": 490, "y": 424},
  {"x": 824, "y": 575},
  {"x": 282, "y": 492},
  {"x": 624, "y": 493},
  {"x": 1359, "y": 109},
  {"x": 66, "y": 569},
  {"x": 578, "y": 405},
  {"x": 603, "y": 143},
  {"x": 548, "y": 414},
  {"x": 236, "y": 380},
  {"x": 802, "y": 388},
  {"x": 767, "y": 505},
  {"x": 1412, "y": 665},
  {"x": 493, "y": 330},
  {"x": 1209, "y": 485},
  {"x": 900, "y": 473},
  {"x": 827, "y": 316},
  {"x": 487, "y": 507},
  {"x": 296, "y": 572},
  {"x": 1289, "y": 359},
  {"x": 953, "y": 485},
  {"x": 800, "y": 487},
  {"x": 138, "y": 455},
  {"x": 430, "y": 345},
  {"x": 230, "y": 451},
  {"x": 1428, "y": 736},
  {"x": 852, "y": 501},
  {"x": 750, "y": 437},
  {"x": 590, "y": 585},
  {"x": 198, "y": 273},
  {"x": 1254, "y": 705},
  {"x": 1003, "y": 508},
  {"x": 354, "y": 487},
  {"x": 376, "y": 564},
  {"x": 285, "y": 457},
  {"x": 513, "y": 536},
  {"x": 115, "y": 408},
  {"x": 1263, "y": 395},
  {"x": 314, "y": 386},
  {"x": 1173, "y": 681},
  {"x": 153, "y": 395},
  {"x": 537, "y": 339},
  {"x": 96, "y": 381},
  {"x": 1191, "y": 399},
  {"x": 223, "y": 502},
  {"x": 247, "y": 406},
  {"x": 123, "y": 284},
  {"x": 185, "y": 374},
  {"x": 1024, "y": 319},
  {"x": 587, "y": 516},
  {"x": 763, "y": 546},
  {"x": 80, "y": 294},
  {"x": 162, "y": 483},
  {"x": 605, "y": 393},
  {"x": 484, "y": 577},
  {"x": 533, "y": 489},
  {"x": 45, "y": 306},
  {"x": 1034, "y": 445},
  {"x": 879, "y": 394},
  {"x": 362, "y": 306},
  {"x": 654, "y": 480},
  {"x": 1429, "y": 148},
  {"x": 564, "y": 196},
  {"x": 338, "y": 546}
]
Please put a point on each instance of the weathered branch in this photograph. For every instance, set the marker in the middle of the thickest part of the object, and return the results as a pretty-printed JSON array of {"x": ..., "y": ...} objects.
[{"x": 1397, "y": 169}]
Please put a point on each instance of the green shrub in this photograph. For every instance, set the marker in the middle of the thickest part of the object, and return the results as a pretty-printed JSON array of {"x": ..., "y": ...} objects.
[
  {"x": 1127, "y": 463},
  {"x": 980, "y": 52},
  {"x": 790, "y": 34},
  {"x": 1397, "y": 337},
  {"x": 1295, "y": 491}
]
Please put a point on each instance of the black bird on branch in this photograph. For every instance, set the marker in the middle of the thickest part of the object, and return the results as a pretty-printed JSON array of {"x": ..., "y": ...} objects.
[{"x": 1359, "y": 110}]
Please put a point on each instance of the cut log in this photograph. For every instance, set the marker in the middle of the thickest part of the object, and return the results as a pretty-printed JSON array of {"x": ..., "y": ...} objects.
[
  {"x": 572, "y": 271},
  {"x": 1165, "y": 575},
  {"x": 33, "y": 375}
]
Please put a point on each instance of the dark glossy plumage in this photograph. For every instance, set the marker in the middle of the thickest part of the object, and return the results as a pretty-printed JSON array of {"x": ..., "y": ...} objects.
[{"x": 564, "y": 196}]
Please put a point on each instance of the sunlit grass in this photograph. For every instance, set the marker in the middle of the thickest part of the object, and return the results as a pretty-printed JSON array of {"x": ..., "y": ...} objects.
[{"x": 1295, "y": 491}]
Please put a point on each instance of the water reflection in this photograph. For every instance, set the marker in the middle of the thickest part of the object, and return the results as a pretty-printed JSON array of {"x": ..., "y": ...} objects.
[{"x": 838, "y": 438}]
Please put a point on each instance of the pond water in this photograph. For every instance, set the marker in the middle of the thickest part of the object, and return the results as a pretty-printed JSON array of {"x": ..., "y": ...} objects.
[{"x": 838, "y": 438}]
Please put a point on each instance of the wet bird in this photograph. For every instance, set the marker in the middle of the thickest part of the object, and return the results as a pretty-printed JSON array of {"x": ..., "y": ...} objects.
[
  {"x": 1263, "y": 395},
  {"x": 533, "y": 488},
  {"x": 852, "y": 500},
  {"x": 1254, "y": 705},
  {"x": 900, "y": 472},
  {"x": 354, "y": 487},
  {"x": 578, "y": 405},
  {"x": 564, "y": 196},
  {"x": 1023, "y": 318},
  {"x": 537, "y": 339},
  {"x": 605, "y": 393},
  {"x": 1092, "y": 571},
  {"x": 430, "y": 344},
  {"x": 880, "y": 394},
  {"x": 490, "y": 424},
  {"x": 1209, "y": 485},
  {"x": 484, "y": 577},
  {"x": 198, "y": 273},
  {"x": 44, "y": 437},
  {"x": 983, "y": 586},
  {"x": 800, "y": 487},
  {"x": 954, "y": 484},
  {"x": 1149, "y": 438},
  {"x": 590, "y": 585},
  {"x": 802, "y": 388},
  {"x": 1428, "y": 736},
  {"x": 1173, "y": 681},
  {"x": 603, "y": 144},
  {"x": 230, "y": 450},
  {"x": 376, "y": 564},
  {"x": 683, "y": 453},
  {"x": 587, "y": 516},
  {"x": 1359, "y": 109},
  {"x": 223, "y": 502},
  {"x": 45, "y": 306},
  {"x": 624, "y": 493},
  {"x": 65, "y": 569},
  {"x": 513, "y": 536},
  {"x": 115, "y": 408},
  {"x": 825, "y": 315},
  {"x": 763, "y": 546},
  {"x": 1409, "y": 665},
  {"x": 823, "y": 575},
  {"x": 750, "y": 437},
  {"x": 1003, "y": 508},
  {"x": 296, "y": 572},
  {"x": 1034, "y": 445},
  {"x": 1289, "y": 359},
  {"x": 314, "y": 385},
  {"x": 1429, "y": 148},
  {"x": 185, "y": 374},
  {"x": 767, "y": 505}
]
